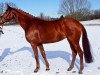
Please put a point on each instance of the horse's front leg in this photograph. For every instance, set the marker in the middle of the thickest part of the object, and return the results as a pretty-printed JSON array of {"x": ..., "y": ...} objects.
[
  {"x": 44, "y": 56},
  {"x": 34, "y": 46}
]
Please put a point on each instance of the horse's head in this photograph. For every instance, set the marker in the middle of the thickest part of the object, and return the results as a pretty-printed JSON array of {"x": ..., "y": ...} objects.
[{"x": 7, "y": 15}]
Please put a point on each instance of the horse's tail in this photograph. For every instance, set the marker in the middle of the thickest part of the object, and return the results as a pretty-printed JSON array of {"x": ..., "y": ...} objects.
[{"x": 86, "y": 47}]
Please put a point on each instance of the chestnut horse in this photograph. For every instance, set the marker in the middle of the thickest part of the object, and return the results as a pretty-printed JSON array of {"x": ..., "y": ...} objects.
[{"x": 39, "y": 32}]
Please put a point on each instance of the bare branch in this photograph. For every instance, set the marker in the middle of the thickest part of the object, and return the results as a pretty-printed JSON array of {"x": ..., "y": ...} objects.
[{"x": 75, "y": 8}]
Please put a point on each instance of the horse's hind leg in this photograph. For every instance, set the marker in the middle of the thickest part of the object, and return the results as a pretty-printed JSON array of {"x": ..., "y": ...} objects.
[
  {"x": 74, "y": 53},
  {"x": 80, "y": 53},
  {"x": 34, "y": 46},
  {"x": 76, "y": 47},
  {"x": 74, "y": 41},
  {"x": 44, "y": 56}
]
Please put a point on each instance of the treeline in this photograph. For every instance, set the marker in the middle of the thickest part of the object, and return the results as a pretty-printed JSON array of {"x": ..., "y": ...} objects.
[
  {"x": 48, "y": 18},
  {"x": 94, "y": 14},
  {"x": 78, "y": 9}
]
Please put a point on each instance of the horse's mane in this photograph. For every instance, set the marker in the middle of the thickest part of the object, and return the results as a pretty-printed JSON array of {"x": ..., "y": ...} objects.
[{"x": 26, "y": 13}]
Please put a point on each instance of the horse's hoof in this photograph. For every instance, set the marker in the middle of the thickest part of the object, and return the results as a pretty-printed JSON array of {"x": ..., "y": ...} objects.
[
  {"x": 47, "y": 69},
  {"x": 36, "y": 70},
  {"x": 80, "y": 72},
  {"x": 70, "y": 68}
]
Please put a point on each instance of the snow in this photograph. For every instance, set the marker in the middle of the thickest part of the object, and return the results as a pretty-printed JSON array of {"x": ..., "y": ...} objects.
[
  {"x": 91, "y": 22},
  {"x": 17, "y": 58}
]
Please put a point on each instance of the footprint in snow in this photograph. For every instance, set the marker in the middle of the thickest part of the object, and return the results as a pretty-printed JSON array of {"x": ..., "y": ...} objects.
[
  {"x": 98, "y": 68},
  {"x": 73, "y": 71}
]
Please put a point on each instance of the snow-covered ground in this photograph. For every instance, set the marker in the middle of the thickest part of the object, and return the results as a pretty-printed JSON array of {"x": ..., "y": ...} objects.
[
  {"x": 92, "y": 22},
  {"x": 17, "y": 58}
]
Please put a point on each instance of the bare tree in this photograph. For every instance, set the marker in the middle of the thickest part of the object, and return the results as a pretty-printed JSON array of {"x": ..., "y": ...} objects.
[
  {"x": 75, "y": 8},
  {"x": 42, "y": 15}
]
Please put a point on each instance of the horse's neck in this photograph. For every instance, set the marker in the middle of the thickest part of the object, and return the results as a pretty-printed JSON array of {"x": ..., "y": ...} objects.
[{"x": 22, "y": 19}]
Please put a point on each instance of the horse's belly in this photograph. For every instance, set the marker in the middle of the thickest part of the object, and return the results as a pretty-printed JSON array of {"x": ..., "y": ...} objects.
[{"x": 53, "y": 38}]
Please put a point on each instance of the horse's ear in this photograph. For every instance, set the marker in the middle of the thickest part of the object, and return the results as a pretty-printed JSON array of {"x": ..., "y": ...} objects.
[{"x": 8, "y": 6}]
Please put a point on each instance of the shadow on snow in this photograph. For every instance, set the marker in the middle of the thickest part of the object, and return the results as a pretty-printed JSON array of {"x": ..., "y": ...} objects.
[{"x": 50, "y": 55}]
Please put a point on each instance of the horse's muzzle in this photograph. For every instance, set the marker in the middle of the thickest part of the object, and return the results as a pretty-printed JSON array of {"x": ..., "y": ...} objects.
[{"x": 1, "y": 21}]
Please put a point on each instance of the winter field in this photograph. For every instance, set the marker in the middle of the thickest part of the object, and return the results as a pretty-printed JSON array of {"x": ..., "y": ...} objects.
[{"x": 17, "y": 58}]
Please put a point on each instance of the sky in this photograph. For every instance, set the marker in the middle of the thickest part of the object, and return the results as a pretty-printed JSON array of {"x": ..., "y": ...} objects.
[{"x": 48, "y": 7}]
